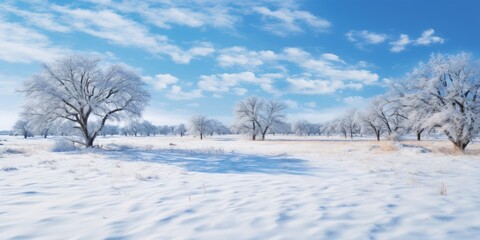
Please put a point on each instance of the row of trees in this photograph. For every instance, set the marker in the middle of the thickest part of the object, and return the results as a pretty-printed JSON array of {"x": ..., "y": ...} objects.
[
  {"x": 441, "y": 95},
  {"x": 79, "y": 93}
]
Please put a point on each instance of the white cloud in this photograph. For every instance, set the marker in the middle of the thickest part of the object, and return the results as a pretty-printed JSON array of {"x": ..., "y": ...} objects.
[
  {"x": 240, "y": 91},
  {"x": 240, "y": 56},
  {"x": 211, "y": 16},
  {"x": 357, "y": 102},
  {"x": 400, "y": 44},
  {"x": 19, "y": 44},
  {"x": 321, "y": 75},
  {"x": 427, "y": 38},
  {"x": 120, "y": 30},
  {"x": 161, "y": 81},
  {"x": 223, "y": 83},
  {"x": 351, "y": 100},
  {"x": 283, "y": 22},
  {"x": 314, "y": 86},
  {"x": 43, "y": 20},
  {"x": 291, "y": 103},
  {"x": 331, "y": 57},
  {"x": 364, "y": 37},
  {"x": 176, "y": 93},
  {"x": 311, "y": 104}
]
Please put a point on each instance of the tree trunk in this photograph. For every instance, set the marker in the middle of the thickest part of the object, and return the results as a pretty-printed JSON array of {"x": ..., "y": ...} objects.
[
  {"x": 89, "y": 142},
  {"x": 25, "y": 134},
  {"x": 460, "y": 145},
  {"x": 263, "y": 136},
  {"x": 254, "y": 136},
  {"x": 377, "y": 133},
  {"x": 201, "y": 136},
  {"x": 351, "y": 135},
  {"x": 419, "y": 133}
]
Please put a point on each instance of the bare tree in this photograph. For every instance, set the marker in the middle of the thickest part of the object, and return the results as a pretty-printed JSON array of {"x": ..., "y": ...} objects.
[
  {"x": 109, "y": 130},
  {"x": 273, "y": 113},
  {"x": 199, "y": 125},
  {"x": 447, "y": 88},
  {"x": 79, "y": 90},
  {"x": 23, "y": 127},
  {"x": 247, "y": 115},
  {"x": 147, "y": 128},
  {"x": 389, "y": 111},
  {"x": 180, "y": 129},
  {"x": 303, "y": 127},
  {"x": 255, "y": 116},
  {"x": 350, "y": 122},
  {"x": 371, "y": 123}
]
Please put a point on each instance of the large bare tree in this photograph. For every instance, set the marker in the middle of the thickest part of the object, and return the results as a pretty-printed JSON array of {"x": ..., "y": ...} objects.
[
  {"x": 79, "y": 90},
  {"x": 446, "y": 91}
]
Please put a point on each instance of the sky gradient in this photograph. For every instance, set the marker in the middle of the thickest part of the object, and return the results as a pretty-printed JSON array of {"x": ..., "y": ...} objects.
[{"x": 202, "y": 56}]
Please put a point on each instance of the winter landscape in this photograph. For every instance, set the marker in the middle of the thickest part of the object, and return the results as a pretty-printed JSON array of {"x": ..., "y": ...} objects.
[{"x": 239, "y": 120}]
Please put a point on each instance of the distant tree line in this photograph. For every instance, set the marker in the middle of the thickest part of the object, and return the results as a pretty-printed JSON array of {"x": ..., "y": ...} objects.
[{"x": 74, "y": 96}]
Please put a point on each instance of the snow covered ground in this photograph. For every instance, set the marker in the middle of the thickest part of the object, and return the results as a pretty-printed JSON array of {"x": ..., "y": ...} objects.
[{"x": 233, "y": 188}]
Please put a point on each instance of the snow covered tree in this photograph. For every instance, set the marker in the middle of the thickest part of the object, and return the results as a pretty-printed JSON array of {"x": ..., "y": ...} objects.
[
  {"x": 134, "y": 128},
  {"x": 79, "y": 90},
  {"x": 350, "y": 121},
  {"x": 23, "y": 127},
  {"x": 255, "y": 115},
  {"x": 109, "y": 130},
  {"x": 303, "y": 127},
  {"x": 447, "y": 88},
  {"x": 147, "y": 128},
  {"x": 272, "y": 114},
  {"x": 217, "y": 127},
  {"x": 329, "y": 128},
  {"x": 180, "y": 129},
  {"x": 389, "y": 111},
  {"x": 371, "y": 123},
  {"x": 247, "y": 115},
  {"x": 199, "y": 125},
  {"x": 300, "y": 127}
]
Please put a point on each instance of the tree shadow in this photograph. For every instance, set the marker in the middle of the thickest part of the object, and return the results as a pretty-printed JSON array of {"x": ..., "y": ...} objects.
[{"x": 214, "y": 161}]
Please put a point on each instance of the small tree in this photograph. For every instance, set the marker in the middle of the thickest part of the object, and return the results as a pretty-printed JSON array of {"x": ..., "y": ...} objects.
[
  {"x": 371, "y": 123},
  {"x": 180, "y": 129},
  {"x": 350, "y": 122},
  {"x": 23, "y": 127},
  {"x": 79, "y": 90},
  {"x": 247, "y": 115},
  {"x": 147, "y": 128},
  {"x": 199, "y": 125}
]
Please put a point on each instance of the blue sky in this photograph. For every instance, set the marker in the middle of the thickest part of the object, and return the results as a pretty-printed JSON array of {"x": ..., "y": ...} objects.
[{"x": 202, "y": 56}]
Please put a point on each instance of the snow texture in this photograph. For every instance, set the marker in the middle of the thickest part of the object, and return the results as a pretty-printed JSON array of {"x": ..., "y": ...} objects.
[{"x": 232, "y": 188}]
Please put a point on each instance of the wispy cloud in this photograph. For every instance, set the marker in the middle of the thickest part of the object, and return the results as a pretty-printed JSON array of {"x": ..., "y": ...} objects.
[
  {"x": 161, "y": 81},
  {"x": 226, "y": 82},
  {"x": 119, "y": 30},
  {"x": 177, "y": 93},
  {"x": 283, "y": 22},
  {"x": 427, "y": 38},
  {"x": 20, "y": 44},
  {"x": 364, "y": 37}
]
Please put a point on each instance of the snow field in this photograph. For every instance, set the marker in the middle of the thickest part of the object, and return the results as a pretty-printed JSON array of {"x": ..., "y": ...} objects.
[{"x": 230, "y": 187}]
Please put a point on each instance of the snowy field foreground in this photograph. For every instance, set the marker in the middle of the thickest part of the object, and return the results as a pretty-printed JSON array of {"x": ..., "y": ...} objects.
[{"x": 233, "y": 188}]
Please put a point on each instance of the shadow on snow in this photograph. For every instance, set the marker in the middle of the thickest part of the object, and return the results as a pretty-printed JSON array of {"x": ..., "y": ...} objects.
[{"x": 214, "y": 161}]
